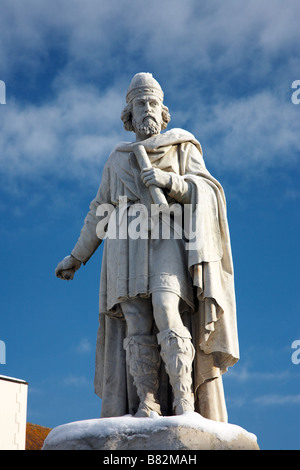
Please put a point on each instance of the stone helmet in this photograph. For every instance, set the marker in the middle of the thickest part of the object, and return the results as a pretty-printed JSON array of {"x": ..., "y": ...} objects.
[{"x": 144, "y": 83}]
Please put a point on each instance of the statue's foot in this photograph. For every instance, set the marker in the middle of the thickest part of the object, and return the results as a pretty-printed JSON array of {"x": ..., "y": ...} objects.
[
  {"x": 145, "y": 409},
  {"x": 183, "y": 406}
]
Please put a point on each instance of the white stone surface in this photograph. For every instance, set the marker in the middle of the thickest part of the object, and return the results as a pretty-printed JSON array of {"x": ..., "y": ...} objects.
[
  {"x": 13, "y": 412},
  {"x": 189, "y": 431},
  {"x": 176, "y": 281}
]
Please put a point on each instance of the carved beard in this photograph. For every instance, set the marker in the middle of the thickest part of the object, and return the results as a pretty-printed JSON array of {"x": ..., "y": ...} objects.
[{"x": 148, "y": 126}]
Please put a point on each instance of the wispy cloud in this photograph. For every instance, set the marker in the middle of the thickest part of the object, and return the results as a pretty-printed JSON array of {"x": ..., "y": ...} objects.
[
  {"x": 263, "y": 400},
  {"x": 250, "y": 378},
  {"x": 84, "y": 346},
  {"x": 77, "y": 381},
  {"x": 226, "y": 31},
  {"x": 243, "y": 374},
  {"x": 228, "y": 81},
  {"x": 70, "y": 134},
  {"x": 106, "y": 39},
  {"x": 276, "y": 399},
  {"x": 258, "y": 131},
  {"x": 77, "y": 131}
]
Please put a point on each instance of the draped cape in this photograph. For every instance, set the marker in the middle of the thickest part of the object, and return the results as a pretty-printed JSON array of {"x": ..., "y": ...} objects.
[{"x": 211, "y": 317}]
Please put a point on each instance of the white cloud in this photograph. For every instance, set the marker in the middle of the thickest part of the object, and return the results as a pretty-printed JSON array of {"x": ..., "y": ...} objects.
[
  {"x": 77, "y": 381},
  {"x": 259, "y": 131},
  {"x": 276, "y": 399},
  {"x": 74, "y": 132},
  {"x": 243, "y": 374},
  {"x": 191, "y": 45},
  {"x": 263, "y": 400},
  {"x": 84, "y": 346},
  {"x": 211, "y": 34}
]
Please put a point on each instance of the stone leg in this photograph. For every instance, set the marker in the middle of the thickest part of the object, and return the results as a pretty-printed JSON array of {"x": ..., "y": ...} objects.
[
  {"x": 177, "y": 352},
  {"x": 143, "y": 359}
]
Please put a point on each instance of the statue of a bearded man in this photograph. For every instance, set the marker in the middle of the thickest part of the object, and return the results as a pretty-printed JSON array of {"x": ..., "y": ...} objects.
[{"x": 167, "y": 323}]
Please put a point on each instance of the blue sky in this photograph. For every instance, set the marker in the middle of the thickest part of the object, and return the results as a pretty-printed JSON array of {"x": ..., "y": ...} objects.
[{"x": 226, "y": 69}]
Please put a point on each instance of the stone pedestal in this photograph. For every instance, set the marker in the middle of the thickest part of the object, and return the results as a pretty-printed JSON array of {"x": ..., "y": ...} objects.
[{"x": 189, "y": 431}]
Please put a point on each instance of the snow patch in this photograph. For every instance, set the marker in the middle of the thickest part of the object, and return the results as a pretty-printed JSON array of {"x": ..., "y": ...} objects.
[{"x": 104, "y": 427}]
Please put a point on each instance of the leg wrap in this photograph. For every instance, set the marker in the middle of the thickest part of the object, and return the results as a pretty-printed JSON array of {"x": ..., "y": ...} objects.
[
  {"x": 143, "y": 359},
  {"x": 177, "y": 352}
]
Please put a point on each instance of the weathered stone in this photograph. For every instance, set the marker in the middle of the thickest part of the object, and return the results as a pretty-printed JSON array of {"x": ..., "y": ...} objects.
[
  {"x": 189, "y": 431},
  {"x": 166, "y": 263}
]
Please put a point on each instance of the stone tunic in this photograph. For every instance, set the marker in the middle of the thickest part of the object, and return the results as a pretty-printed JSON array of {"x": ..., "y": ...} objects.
[
  {"x": 139, "y": 266},
  {"x": 202, "y": 276}
]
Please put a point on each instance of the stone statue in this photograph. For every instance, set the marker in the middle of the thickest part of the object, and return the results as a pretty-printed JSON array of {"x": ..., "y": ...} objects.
[{"x": 167, "y": 323}]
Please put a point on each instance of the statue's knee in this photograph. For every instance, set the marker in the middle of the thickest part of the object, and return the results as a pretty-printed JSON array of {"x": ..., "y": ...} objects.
[
  {"x": 161, "y": 307},
  {"x": 165, "y": 303}
]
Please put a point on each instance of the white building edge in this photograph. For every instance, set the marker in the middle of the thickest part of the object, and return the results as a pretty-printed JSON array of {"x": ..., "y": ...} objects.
[{"x": 13, "y": 413}]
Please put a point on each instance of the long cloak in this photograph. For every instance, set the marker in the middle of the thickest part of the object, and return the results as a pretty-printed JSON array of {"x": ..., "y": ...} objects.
[{"x": 212, "y": 318}]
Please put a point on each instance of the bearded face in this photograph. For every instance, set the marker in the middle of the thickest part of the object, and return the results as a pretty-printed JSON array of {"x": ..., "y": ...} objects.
[
  {"x": 147, "y": 115},
  {"x": 148, "y": 126}
]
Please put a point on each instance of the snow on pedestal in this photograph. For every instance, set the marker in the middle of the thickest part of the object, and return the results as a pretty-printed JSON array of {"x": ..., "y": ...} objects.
[{"x": 189, "y": 431}]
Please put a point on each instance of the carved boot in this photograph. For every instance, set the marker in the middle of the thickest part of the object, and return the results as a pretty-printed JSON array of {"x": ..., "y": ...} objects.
[
  {"x": 143, "y": 359},
  {"x": 177, "y": 352}
]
